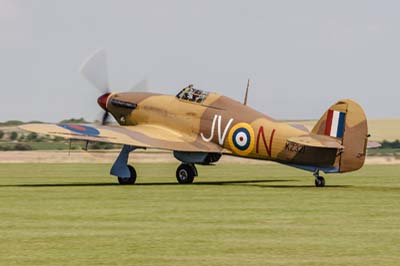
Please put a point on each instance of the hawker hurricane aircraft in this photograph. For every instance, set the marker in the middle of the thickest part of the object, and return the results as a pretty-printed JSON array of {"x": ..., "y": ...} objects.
[{"x": 199, "y": 127}]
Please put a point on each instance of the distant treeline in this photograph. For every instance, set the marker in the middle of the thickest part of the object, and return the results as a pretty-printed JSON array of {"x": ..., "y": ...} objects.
[
  {"x": 16, "y": 147},
  {"x": 74, "y": 121},
  {"x": 390, "y": 144},
  {"x": 11, "y": 123},
  {"x": 23, "y": 146}
]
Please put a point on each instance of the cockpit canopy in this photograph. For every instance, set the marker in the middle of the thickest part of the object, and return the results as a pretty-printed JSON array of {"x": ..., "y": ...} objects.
[{"x": 192, "y": 95}]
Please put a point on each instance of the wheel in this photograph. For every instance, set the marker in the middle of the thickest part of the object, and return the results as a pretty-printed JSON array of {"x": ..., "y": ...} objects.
[
  {"x": 128, "y": 181},
  {"x": 185, "y": 173},
  {"x": 320, "y": 181}
]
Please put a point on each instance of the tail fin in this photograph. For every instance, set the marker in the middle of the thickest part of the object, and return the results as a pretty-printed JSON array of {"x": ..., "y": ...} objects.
[{"x": 347, "y": 122}]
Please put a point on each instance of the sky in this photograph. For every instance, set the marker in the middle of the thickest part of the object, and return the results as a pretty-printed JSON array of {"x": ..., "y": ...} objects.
[{"x": 301, "y": 56}]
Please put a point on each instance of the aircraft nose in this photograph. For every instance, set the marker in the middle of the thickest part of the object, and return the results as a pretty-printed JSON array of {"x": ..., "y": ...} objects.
[{"x": 102, "y": 100}]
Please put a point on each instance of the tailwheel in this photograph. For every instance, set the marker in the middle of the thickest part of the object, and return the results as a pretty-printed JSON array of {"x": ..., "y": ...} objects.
[
  {"x": 319, "y": 181},
  {"x": 185, "y": 173},
  {"x": 128, "y": 180}
]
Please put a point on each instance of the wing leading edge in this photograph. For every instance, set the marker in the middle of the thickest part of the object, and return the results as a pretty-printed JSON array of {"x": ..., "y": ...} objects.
[{"x": 144, "y": 136}]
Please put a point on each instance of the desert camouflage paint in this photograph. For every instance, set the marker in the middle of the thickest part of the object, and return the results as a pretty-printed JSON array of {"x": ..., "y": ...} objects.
[{"x": 198, "y": 121}]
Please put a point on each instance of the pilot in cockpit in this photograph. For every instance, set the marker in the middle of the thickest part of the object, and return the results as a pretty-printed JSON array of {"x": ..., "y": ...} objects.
[{"x": 189, "y": 93}]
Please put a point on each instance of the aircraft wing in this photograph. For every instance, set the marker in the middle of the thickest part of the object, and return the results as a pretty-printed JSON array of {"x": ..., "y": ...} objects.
[
  {"x": 317, "y": 141},
  {"x": 144, "y": 136}
]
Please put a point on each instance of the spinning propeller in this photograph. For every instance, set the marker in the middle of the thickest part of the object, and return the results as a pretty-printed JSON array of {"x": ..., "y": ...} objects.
[{"x": 95, "y": 70}]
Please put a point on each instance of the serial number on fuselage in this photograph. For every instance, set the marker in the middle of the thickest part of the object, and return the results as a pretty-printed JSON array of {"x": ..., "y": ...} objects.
[{"x": 294, "y": 147}]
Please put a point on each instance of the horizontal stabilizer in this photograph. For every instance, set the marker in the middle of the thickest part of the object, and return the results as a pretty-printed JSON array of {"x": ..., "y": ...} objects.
[{"x": 317, "y": 141}]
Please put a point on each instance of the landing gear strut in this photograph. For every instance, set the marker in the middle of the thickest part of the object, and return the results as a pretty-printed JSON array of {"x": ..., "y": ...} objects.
[
  {"x": 185, "y": 173},
  {"x": 319, "y": 180},
  {"x": 126, "y": 173}
]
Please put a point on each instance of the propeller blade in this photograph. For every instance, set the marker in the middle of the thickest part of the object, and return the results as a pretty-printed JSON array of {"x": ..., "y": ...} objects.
[
  {"x": 95, "y": 70},
  {"x": 104, "y": 121}
]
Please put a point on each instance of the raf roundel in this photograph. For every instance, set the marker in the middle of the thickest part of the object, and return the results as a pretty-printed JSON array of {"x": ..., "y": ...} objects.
[
  {"x": 241, "y": 138},
  {"x": 80, "y": 129}
]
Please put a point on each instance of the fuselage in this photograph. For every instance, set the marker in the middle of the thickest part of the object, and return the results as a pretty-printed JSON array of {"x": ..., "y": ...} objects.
[{"x": 239, "y": 129}]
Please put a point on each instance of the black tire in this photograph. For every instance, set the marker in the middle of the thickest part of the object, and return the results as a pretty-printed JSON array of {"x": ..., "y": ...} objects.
[
  {"x": 185, "y": 173},
  {"x": 128, "y": 181},
  {"x": 320, "y": 181}
]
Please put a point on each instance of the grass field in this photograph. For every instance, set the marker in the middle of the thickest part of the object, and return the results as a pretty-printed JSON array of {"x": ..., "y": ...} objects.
[{"x": 74, "y": 214}]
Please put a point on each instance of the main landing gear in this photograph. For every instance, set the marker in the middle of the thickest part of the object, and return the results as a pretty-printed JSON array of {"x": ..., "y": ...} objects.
[
  {"x": 126, "y": 173},
  {"x": 185, "y": 173},
  {"x": 319, "y": 180}
]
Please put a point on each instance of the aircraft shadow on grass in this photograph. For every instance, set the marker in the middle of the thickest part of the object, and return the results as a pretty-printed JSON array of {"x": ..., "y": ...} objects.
[
  {"x": 255, "y": 183},
  {"x": 301, "y": 186},
  {"x": 210, "y": 183}
]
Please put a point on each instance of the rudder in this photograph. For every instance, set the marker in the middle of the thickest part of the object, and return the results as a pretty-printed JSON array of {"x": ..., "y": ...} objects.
[{"x": 347, "y": 122}]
